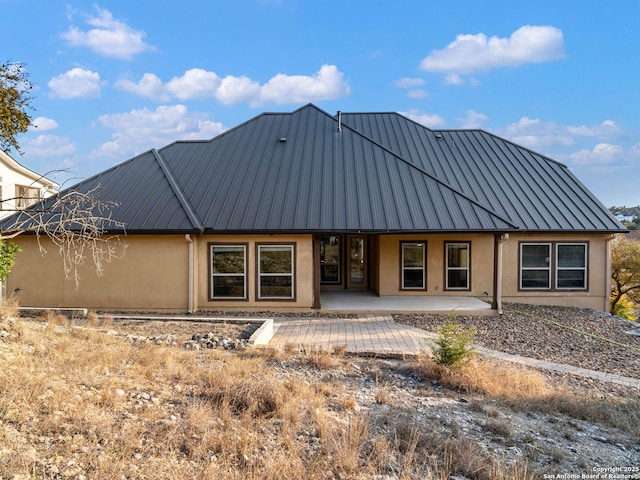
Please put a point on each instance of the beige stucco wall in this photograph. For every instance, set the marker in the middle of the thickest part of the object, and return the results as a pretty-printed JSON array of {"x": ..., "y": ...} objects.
[
  {"x": 481, "y": 264},
  {"x": 303, "y": 272},
  {"x": 152, "y": 275},
  {"x": 597, "y": 294}
]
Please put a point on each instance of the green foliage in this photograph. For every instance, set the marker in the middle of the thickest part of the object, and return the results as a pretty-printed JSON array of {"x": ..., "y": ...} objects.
[
  {"x": 625, "y": 272},
  {"x": 624, "y": 308},
  {"x": 8, "y": 253},
  {"x": 454, "y": 343},
  {"x": 15, "y": 86}
]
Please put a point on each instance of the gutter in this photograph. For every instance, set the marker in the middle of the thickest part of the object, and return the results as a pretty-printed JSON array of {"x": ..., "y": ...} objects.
[{"x": 189, "y": 240}]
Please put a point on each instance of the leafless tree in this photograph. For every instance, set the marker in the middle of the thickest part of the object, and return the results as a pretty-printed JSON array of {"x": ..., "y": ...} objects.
[{"x": 78, "y": 223}]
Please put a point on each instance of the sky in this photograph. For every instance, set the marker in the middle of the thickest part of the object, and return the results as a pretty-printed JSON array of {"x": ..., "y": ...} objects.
[{"x": 115, "y": 78}]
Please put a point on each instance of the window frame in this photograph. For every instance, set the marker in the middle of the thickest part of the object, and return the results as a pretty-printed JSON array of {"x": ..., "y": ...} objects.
[
  {"x": 549, "y": 267},
  {"x": 245, "y": 247},
  {"x": 260, "y": 275},
  {"x": 404, "y": 268},
  {"x": 447, "y": 268},
  {"x": 554, "y": 268}
]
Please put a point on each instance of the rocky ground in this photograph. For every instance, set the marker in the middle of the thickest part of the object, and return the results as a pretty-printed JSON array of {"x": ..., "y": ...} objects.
[{"x": 400, "y": 401}]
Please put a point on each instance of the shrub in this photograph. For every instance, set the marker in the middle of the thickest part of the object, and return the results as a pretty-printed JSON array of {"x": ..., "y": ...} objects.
[
  {"x": 624, "y": 308},
  {"x": 454, "y": 343}
]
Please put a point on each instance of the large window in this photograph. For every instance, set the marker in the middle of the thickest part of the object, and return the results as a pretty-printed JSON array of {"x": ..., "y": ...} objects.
[
  {"x": 26, "y": 196},
  {"x": 228, "y": 271},
  {"x": 457, "y": 269},
  {"x": 413, "y": 264},
  {"x": 330, "y": 260},
  {"x": 276, "y": 272},
  {"x": 559, "y": 266}
]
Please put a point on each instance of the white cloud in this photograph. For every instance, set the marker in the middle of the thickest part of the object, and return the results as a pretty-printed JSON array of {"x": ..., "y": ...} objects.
[
  {"x": 75, "y": 83},
  {"x": 109, "y": 37},
  {"x": 407, "y": 82},
  {"x": 43, "y": 124},
  {"x": 473, "y": 120},
  {"x": 139, "y": 130},
  {"x": 471, "y": 53},
  {"x": 534, "y": 133},
  {"x": 417, "y": 94},
  {"x": 453, "y": 79},
  {"x": 602, "y": 154},
  {"x": 49, "y": 146},
  {"x": 149, "y": 86},
  {"x": 428, "y": 120},
  {"x": 327, "y": 83}
]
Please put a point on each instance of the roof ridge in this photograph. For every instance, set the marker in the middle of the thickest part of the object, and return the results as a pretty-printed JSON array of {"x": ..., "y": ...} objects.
[
  {"x": 182, "y": 198},
  {"x": 433, "y": 177}
]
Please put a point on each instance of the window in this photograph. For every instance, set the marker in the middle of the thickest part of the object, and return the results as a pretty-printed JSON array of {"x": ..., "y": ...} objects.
[
  {"x": 535, "y": 262},
  {"x": 413, "y": 265},
  {"x": 228, "y": 272},
  {"x": 330, "y": 253},
  {"x": 571, "y": 266},
  {"x": 547, "y": 266},
  {"x": 25, "y": 196},
  {"x": 457, "y": 270},
  {"x": 276, "y": 272}
]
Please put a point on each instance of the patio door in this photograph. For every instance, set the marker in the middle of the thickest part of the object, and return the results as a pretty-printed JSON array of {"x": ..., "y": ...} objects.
[
  {"x": 344, "y": 261},
  {"x": 357, "y": 262}
]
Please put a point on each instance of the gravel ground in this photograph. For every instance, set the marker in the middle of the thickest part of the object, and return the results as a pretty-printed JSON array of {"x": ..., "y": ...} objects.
[{"x": 549, "y": 333}]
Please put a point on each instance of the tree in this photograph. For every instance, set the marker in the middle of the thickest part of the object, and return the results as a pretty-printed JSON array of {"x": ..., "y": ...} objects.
[
  {"x": 77, "y": 222},
  {"x": 15, "y": 101},
  {"x": 625, "y": 272}
]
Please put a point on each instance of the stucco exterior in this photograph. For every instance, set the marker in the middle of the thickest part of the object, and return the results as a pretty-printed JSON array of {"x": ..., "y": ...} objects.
[{"x": 154, "y": 273}]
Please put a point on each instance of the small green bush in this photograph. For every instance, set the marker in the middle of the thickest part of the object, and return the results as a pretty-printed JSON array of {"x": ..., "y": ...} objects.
[{"x": 454, "y": 343}]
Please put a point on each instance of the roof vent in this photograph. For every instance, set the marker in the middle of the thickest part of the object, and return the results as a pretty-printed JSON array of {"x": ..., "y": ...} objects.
[
  {"x": 339, "y": 121},
  {"x": 439, "y": 136},
  {"x": 283, "y": 139}
]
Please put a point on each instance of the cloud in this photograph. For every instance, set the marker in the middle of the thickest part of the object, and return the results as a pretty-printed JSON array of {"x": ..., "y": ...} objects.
[
  {"x": 536, "y": 134},
  {"x": 139, "y": 130},
  {"x": 109, "y": 37},
  {"x": 75, "y": 83},
  {"x": 49, "y": 146},
  {"x": 602, "y": 154},
  {"x": 43, "y": 124},
  {"x": 428, "y": 120},
  {"x": 473, "y": 120},
  {"x": 149, "y": 86},
  {"x": 472, "y": 53},
  {"x": 407, "y": 82},
  {"x": 326, "y": 84},
  {"x": 417, "y": 93}
]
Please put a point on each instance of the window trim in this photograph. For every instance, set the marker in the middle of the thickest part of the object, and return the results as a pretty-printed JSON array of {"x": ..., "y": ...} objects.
[
  {"x": 549, "y": 267},
  {"x": 245, "y": 275},
  {"x": 423, "y": 268},
  {"x": 259, "y": 275},
  {"x": 585, "y": 268},
  {"x": 553, "y": 266},
  {"x": 447, "y": 268}
]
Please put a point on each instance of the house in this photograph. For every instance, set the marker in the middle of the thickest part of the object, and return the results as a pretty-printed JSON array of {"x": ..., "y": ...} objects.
[
  {"x": 286, "y": 206},
  {"x": 19, "y": 186}
]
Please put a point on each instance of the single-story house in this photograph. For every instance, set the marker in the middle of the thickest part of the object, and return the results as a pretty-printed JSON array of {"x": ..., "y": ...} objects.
[{"x": 286, "y": 206}]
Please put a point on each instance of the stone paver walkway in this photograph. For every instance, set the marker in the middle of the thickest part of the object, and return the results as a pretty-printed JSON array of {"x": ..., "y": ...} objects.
[{"x": 380, "y": 335}]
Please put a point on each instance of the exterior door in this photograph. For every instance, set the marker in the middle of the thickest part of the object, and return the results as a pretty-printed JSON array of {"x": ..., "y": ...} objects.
[{"x": 357, "y": 262}]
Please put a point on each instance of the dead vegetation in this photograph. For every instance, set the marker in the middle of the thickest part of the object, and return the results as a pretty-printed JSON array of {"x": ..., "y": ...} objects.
[{"x": 77, "y": 403}]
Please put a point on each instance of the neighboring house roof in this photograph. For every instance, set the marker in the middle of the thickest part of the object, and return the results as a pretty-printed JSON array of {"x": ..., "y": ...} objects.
[
  {"x": 307, "y": 171},
  {"x": 9, "y": 162}
]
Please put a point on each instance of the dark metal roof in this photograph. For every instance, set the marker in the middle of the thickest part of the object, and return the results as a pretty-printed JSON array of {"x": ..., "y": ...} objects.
[
  {"x": 526, "y": 188},
  {"x": 300, "y": 172}
]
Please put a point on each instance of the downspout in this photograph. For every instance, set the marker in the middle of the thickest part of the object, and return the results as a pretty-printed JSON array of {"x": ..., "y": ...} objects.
[
  {"x": 190, "y": 288},
  {"x": 498, "y": 287},
  {"x": 607, "y": 274}
]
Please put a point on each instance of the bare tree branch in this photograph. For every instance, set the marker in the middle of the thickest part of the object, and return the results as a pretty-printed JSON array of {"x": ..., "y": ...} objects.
[{"x": 78, "y": 224}]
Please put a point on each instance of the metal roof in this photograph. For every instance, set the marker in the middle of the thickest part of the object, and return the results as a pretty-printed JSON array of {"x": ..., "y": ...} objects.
[{"x": 304, "y": 172}]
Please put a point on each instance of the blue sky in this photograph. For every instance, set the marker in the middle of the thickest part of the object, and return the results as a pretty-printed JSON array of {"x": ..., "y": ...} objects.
[{"x": 116, "y": 78}]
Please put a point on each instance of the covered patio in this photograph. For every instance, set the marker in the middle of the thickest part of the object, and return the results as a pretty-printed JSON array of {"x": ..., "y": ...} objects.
[{"x": 366, "y": 301}]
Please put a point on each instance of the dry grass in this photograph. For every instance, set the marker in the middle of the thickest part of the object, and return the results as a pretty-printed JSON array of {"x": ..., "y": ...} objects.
[
  {"x": 76, "y": 401},
  {"x": 524, "y": 389}
]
